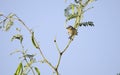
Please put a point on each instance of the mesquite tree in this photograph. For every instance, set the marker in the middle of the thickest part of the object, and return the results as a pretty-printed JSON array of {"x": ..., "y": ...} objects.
[{"x": 73, "y": 11}]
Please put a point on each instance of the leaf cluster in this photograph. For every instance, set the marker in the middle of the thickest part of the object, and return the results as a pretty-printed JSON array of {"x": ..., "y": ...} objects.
[
  {"x": 76, "y": 11},
  {"x": 7, "y": 21},
  {"x": 71, "y": 11},
  {"x": 89, "y": 23},
  {"x": 25, "y": 66},
  {"x": 20, "y": 70}
]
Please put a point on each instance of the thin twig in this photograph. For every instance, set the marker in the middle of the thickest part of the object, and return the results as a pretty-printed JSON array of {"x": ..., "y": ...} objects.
[
  {"x": 69, "y": 42},
  {"x": 59, "y": 59},
  {"x": 57, "y": 46},
  {"x": 23, "y": 24},
  {"x": 46, "y": 59}
]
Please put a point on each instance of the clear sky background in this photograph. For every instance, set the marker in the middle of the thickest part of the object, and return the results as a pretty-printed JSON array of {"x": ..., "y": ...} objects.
[{"x": 95, "y": 51}]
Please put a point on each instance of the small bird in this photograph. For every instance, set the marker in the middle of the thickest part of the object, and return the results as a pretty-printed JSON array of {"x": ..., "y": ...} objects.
[{"x": 71, "y": 31}]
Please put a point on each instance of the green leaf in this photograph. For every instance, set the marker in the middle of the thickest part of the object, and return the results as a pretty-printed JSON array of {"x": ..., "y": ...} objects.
[
  {"x": 90, "y": 1},
  {"x": 71, "y": 12},
  {"x": 10, "y": 15},
  {"x": 37, "y": 70},
  {"x": 28, "y": 64},
  {"x": 72, "y": 9},
  {"x": 89, "y": 23},
  {"x": 19, "y": 70},
  {"x": 17, "y": 36},
  {"x": 8, "y": 25},
  {"x": 30, "y": 56},
  {"x": 34, "y": 41},
  {"x": 16, "y": 51},
  {"x": 9, "y": 21},
  {"x": 71, "y": 17}
]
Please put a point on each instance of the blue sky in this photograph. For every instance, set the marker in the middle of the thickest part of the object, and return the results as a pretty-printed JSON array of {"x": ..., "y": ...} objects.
[{"x": 95, "y": 51}]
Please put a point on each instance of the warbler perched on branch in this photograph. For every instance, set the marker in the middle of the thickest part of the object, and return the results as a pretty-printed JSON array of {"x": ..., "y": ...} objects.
[{"x": 71, "y": 31}]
